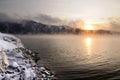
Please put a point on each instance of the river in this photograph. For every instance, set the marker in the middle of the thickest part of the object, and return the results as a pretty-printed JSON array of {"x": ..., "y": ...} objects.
[{"x": 77, "y": 57}]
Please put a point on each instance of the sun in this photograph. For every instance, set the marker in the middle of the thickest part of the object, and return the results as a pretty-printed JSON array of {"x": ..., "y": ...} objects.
[{"x": 89, "y": 27}]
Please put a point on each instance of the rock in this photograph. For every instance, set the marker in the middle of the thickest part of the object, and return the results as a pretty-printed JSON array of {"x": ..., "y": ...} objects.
[{"x": 19, "y": 62}]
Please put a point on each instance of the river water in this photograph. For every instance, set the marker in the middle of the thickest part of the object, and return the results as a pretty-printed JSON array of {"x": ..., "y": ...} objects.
[{"x": 76, "y": 57}]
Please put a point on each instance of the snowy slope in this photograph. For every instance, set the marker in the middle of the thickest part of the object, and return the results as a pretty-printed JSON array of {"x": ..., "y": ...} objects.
[{"x": 16, "y": 62}]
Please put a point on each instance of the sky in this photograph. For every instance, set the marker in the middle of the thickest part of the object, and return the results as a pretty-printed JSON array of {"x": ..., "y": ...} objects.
[{"x": 90, "y": 11}]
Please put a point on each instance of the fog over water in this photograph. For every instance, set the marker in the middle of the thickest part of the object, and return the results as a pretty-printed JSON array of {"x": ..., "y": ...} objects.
[{"x": 79, "y": 57}]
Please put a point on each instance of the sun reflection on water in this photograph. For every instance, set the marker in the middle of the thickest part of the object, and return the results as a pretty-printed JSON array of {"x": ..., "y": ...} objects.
[{"x": 88, "y": 42}]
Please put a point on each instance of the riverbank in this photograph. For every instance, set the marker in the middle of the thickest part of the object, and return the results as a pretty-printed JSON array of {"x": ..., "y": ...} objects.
[{"x": 19, "y": 63}]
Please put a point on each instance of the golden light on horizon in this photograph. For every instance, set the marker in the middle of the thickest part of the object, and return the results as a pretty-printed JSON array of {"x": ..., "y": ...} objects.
[{"x": 89, "y": 27}]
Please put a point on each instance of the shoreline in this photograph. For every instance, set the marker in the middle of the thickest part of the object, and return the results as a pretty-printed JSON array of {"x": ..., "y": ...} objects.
[{"x": 22, "y": 61}]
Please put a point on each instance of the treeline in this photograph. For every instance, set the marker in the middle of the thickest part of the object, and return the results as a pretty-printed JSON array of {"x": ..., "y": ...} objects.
[{"x": 32, "y": 27}]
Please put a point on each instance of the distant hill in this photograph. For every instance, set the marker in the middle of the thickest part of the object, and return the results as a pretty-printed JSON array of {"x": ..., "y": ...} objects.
[
  {"x": 32, "y": 27},
  {"x": 100, "y": 32}
]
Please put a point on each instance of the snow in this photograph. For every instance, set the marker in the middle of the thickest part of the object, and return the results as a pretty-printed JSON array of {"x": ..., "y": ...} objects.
[
  {"x": 16, "y": 62},
  {"x": 6, "y": 45}
]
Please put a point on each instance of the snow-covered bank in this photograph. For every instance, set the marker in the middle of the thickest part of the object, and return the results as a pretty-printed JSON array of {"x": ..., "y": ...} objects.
[{"x": 16, "y": 62}]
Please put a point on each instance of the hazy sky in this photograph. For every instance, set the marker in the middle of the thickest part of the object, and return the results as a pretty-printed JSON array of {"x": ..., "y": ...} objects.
[
  {"x": 63, "y": 8},
  {"x": 92, "y": 11}
]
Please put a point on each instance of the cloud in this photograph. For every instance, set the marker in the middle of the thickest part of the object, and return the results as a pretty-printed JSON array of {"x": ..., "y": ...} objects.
[
  {"x": 101, "y": 26},
  {"x": 76, "y": 23},
  {"x": 42, "y": 18},
  {"x": 47, "y": 19},
  {"x": 9, "y": 18},
  {"x": 114, "y": 23},
  {"x": 5, "y": 17}
]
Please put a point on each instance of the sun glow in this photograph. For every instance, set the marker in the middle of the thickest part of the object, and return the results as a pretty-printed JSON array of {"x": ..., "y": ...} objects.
[{"x": 89, "y": 27}]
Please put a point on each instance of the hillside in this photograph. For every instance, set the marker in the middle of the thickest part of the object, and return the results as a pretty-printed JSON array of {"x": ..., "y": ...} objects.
[{"x": 32, "y": 27}]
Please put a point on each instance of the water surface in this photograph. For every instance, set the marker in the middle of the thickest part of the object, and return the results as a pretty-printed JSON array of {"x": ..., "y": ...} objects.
[{"x": 76, "y": 57}]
